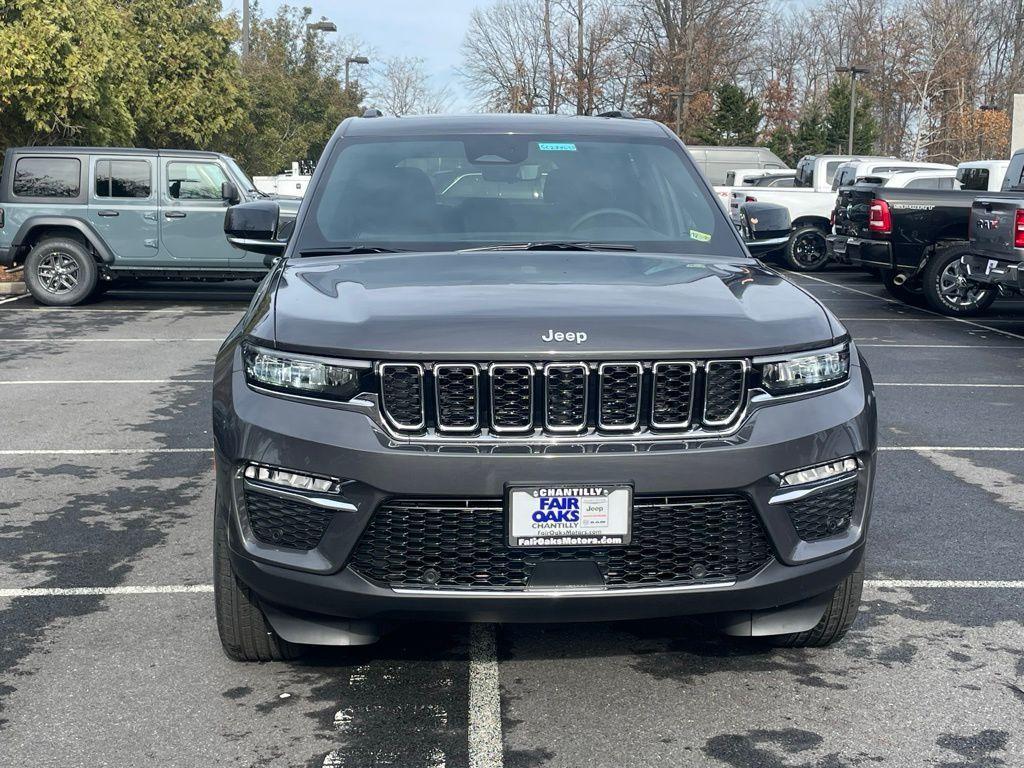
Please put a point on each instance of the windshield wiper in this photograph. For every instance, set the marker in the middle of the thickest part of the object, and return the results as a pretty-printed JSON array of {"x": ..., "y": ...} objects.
[
  {"x": 348, "y": 250},
  {"x": 554, "y": 245}
]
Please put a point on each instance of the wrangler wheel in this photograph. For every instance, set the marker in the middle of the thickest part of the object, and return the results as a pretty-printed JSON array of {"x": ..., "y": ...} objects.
[{"x": 60, "y": 272}]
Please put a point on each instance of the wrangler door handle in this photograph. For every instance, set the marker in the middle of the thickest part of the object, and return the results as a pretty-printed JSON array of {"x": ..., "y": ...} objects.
[
  {"x": 174, "y": 215},
  {"x": 107, "y": 213}
]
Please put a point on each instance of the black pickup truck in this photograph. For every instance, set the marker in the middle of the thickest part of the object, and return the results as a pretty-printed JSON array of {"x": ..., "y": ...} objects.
[
  {"x": 995, "y": 258},
  {"x": 915, "y": 238}
]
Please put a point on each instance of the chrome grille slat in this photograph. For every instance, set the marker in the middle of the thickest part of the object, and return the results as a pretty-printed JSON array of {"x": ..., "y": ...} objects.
[
  {"x": 401, "y": 393},
  {"x": 672, "y": 388},
  {"x": 511, "y": 391},
  {"x": 566, "y": 396},
  {"x": 457, "y": 396},
  {"x": 620, "y": 390},
  {"x": 724, "y": 391}
]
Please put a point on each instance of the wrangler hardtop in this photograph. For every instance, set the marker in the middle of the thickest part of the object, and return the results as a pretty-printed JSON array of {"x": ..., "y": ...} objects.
[{"x": 79, "y": 218}]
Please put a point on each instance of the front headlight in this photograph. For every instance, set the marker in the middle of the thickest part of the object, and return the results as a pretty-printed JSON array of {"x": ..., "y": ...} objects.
[
  {"x": 299, "y": 374},
  {"x": 806, "y": 371}
]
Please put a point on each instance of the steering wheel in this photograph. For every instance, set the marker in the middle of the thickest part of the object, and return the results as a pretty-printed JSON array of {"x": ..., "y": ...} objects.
[{"x": 607, "y": 212}]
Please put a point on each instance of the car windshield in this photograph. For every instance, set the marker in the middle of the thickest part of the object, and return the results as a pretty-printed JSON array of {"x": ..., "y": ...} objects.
[{"x": 457, "y": 192}]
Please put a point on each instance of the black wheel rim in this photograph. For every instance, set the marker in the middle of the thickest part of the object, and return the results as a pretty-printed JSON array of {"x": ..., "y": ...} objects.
[
  {"x": 809, "y": 249},
  {"x": 956, "y": 291},
  {"x": 58, "y": 272}
]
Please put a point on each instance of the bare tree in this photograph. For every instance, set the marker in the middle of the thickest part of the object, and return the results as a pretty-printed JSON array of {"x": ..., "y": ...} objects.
[{"x": 400, "y": 86}]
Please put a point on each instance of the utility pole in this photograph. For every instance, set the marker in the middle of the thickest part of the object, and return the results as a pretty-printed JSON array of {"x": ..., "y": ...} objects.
[
  {"x": 552, "y": 84},
  {"x": 854, "y": 71},
  {"x": 581, "y": 107},
  {"x": 245, "y": 29}
]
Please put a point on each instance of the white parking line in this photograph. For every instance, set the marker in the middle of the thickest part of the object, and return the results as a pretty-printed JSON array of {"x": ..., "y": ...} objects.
[
  {"x": 160, "y": 311},
  {"x": 96, "y": 451},
  {"x": 12, "y": 298},
  {"x": 100, "y": 340},
  {"x": 485, "y": 739},
  {"x": 948, "y": 448},
  {"x": 483, "y": 655},
  {"x": 929, "y": 311},
  {"x": 943, "y": 385},
  {"x": 942, "y": 346},
  {"x": 107, "y": 381}
]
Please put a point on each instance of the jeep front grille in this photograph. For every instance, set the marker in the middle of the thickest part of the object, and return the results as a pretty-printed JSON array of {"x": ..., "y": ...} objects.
[{"x": 523, "y": 399}]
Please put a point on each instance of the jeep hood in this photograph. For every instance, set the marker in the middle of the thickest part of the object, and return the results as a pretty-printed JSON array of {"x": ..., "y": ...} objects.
[{"x": 490, "y": 304}]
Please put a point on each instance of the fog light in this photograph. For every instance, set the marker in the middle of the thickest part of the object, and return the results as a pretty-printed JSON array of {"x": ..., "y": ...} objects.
[
  {"x": 820, "y": 472},
  {"x": 288, "y": 479}
]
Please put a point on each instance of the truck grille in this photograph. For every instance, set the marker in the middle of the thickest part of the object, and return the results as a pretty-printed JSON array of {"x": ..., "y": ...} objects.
[
  {"x": 520, "y": 399},
  {"x": 462, "y": 544}
]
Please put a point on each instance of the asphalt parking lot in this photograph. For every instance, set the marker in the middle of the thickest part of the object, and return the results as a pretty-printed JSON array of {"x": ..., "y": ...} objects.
[{"x": 108, "y": 648}]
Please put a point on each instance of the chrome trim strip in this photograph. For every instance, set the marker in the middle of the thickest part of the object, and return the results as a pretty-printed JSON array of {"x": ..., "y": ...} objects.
[
  {"x": 528, "y": 594},
  {"x": 340, "y": 362},
  {"x": 317, "y": 501},
  {"x": 745, "y": 370},
  {"x": 383, "y": 400},
  {"x": 798, "y": 492},
  {"x": 568, "y": 428},
  {"x": 639, "y": 396},
  {"x": 495, "y": 427},
  {"x": 654, "y": 394},
  {"x": 807, "y": 353},
  {"x": 476, "y": 390}
]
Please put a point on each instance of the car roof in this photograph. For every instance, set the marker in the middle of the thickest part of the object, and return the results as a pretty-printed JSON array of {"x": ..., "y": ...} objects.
[
  {"x": 52, "y": 150},
  {"x": 432, "y": 125}
]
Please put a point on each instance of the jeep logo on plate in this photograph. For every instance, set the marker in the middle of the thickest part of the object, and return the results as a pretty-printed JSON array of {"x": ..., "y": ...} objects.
[{"x": 578, "y": 337}]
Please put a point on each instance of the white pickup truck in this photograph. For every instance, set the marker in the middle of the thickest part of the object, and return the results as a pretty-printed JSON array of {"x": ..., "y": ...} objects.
[{"x": 752, "y": 177}]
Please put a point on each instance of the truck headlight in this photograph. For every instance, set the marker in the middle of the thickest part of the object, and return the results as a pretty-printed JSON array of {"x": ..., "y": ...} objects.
[
  {"x": 299, "y": 374},
  {"x": 806, "y": 371}
]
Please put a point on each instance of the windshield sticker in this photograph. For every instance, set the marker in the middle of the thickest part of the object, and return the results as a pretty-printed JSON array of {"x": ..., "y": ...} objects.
[
  {"x": 702, "y": 237},
  {"x": 547, "y": 146}
]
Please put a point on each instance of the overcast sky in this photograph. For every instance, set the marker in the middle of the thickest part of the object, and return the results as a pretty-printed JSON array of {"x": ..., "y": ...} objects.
[{"x": 430, "y": 29}]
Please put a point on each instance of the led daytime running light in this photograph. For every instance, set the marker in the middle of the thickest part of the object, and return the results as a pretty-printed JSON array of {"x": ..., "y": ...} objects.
[
  {"x": 820, "y": 472},
  {"x": 289, "y": 479}
]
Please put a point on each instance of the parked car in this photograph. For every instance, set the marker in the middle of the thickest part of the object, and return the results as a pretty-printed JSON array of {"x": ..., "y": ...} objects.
[
  {"x": 915, "y": 238},
  {"x": 995, "y": 254},
  {"x": 81, "y": 217},
  {"x": 810, "y": 204},
  {"x": 748, "y": 177},
  {"x": 716, "y": 162},
  {"x": 591, "y": 404},
  {"x": 982, "y": 175}
]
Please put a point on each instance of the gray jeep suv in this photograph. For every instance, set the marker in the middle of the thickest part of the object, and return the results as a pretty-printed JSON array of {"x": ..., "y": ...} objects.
[{"x": 522, "y": 368}]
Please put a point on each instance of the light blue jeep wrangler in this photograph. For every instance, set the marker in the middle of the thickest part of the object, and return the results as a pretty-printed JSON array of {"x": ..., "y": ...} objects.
[{"x": 79, "y": 218}]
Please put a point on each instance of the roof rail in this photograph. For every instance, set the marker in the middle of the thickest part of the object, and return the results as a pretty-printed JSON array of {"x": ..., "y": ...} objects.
[
  {"x": 373, "y": 112},
  {"x": 617, "y": 113}
]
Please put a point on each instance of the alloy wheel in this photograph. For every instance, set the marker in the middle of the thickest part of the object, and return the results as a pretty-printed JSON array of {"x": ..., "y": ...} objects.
[
  {"x": 58, "y": 272},
  {"x": 810, "y": 249},
  {"x": 956, "y": 291}
]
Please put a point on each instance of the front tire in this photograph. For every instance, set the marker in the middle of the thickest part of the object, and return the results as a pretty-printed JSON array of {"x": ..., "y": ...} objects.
[
  {"x": 60, "y": 272},
  {"x": 245, "y": 633},
  {"x": 807, "y": 249},
  {"x": 839, "y": 616},
  {"x": 946, "y": 287}
]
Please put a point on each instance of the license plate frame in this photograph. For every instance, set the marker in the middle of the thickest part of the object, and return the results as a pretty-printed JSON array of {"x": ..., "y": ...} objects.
[{"x": 604, "y": 515}]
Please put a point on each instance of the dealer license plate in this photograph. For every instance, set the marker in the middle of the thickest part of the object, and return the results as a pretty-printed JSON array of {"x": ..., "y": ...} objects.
[{"x": 570, "y": 516}]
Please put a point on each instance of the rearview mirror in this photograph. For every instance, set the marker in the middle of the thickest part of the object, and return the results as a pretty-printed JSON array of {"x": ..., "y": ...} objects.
[
  {"x": 254, "y": 227},
  {"x": 229, "y": 192}
]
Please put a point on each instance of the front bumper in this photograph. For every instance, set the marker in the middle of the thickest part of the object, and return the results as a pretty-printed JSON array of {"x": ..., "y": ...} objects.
[
  {"x": 253, "y": 427},
  {"x": 859, "y": 252},
  {"x": 993, "y": 273}
]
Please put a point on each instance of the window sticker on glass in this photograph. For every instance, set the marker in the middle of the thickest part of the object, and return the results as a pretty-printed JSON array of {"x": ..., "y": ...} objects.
[
  {"x": 549, "y": 146},
  {"x": 702, "y": 237}
]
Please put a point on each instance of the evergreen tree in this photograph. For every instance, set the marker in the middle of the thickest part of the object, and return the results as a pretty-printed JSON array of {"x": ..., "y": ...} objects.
[
  {"x": 734, "y": 120},
  {"x": 837, "y": 120}
]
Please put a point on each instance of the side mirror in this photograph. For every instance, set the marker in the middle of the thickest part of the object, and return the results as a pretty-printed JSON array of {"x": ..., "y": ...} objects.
[
  {"x": 229, "y": 192},
  {"x": 765, "y": 227},
  {"x": 254, "y": 227}
]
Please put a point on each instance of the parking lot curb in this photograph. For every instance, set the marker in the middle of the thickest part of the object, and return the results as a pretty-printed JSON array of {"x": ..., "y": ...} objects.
[{"x": 12, "y": 289}]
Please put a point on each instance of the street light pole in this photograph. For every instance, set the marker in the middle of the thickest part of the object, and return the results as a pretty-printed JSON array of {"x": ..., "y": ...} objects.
[
  {"x": 245, "y": 28},
  {"x": 353, "y": 60},
  {"x": 854, "y": 71}
]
